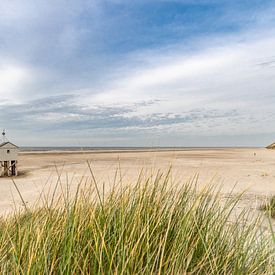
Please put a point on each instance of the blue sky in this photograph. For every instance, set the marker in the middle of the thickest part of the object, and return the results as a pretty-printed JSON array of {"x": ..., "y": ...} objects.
[{"x": 138, "y": 73}]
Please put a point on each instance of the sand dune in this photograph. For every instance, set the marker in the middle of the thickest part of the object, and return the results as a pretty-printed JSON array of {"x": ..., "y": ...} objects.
[{"x": 271, "y": 146}]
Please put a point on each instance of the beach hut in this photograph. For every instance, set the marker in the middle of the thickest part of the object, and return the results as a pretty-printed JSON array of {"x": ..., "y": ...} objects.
[{"x": 8, "y": 157}]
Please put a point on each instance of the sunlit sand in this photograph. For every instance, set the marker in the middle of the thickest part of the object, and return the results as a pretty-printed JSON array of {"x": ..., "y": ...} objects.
[{"x": 241, "y": 170}]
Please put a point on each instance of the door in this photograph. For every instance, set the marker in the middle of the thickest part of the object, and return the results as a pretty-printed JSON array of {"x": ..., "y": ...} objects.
[{"x": 13, "y": 168}]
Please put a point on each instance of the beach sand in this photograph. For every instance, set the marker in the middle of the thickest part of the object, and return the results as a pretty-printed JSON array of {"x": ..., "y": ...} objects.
[{"x": 249, "y": 170}]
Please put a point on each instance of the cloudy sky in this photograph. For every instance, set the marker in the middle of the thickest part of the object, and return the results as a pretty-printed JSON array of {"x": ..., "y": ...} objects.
[{"x": 138, "y": 72}]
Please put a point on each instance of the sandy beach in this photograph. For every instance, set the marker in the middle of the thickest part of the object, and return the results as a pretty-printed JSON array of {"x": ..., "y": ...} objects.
[{"x": 249, "y": 170}]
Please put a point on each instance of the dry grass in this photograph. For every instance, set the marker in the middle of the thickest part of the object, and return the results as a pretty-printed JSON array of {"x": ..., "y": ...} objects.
[
  {"x": 269, "y": 207},
  {"x": 144, "y": 228}
]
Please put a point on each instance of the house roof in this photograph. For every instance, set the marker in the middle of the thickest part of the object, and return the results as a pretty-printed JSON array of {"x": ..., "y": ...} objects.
[{"x": 5, "y": 143}]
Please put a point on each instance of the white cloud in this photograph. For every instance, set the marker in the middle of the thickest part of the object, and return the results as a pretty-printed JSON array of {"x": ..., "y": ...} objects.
[
  {"x": 204, "y": 72},
  {"x": 13, "y": 80},
  {"x": 231, "y": 75},
  {"x": 239, "y": 76}
]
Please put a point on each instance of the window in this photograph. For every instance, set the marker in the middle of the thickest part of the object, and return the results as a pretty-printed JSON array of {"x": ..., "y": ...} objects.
[{"x": 8, "y": 151}]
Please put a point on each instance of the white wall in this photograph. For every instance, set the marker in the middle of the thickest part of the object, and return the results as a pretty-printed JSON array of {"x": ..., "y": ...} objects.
[{"x": 12, "y": 155}]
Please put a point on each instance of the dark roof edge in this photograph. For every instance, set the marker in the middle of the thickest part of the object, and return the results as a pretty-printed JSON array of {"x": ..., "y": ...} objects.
[{"x": 4, "y": 143}]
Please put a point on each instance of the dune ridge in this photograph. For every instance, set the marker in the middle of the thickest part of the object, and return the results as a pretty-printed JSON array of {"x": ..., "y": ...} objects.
[{"x": 271, "y": 146}]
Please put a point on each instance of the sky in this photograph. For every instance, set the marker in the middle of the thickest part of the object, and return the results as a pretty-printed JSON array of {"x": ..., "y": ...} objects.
[{"x": 138, "y": 72}]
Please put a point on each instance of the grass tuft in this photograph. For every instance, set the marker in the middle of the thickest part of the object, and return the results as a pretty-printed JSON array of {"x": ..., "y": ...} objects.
[
  {"x": 146, "y": 228},
  {"x": 269, "y": 207}
]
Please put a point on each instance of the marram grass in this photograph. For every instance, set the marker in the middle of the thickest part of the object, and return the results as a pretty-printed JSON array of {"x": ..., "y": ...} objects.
[
  {"x": 146, "y": 228},
  {"x": 269, "y": 207}
]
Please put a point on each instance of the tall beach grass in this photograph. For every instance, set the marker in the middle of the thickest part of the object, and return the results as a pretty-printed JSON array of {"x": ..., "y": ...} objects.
[
  {"x": 149, "y": 227},
  {"x": 269, "y": 207}
]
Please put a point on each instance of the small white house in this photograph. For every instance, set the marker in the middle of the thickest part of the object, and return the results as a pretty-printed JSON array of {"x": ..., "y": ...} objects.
[{"x": 8, "y": 158}]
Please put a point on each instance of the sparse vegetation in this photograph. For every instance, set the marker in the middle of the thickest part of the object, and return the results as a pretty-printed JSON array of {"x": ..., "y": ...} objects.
[
  {"x": 269, "y": 207},
  {"x": 146, "y": 228}
]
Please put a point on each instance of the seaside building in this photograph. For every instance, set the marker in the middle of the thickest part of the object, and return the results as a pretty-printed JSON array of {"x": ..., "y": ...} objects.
[{"x": 8, "y": 157}]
